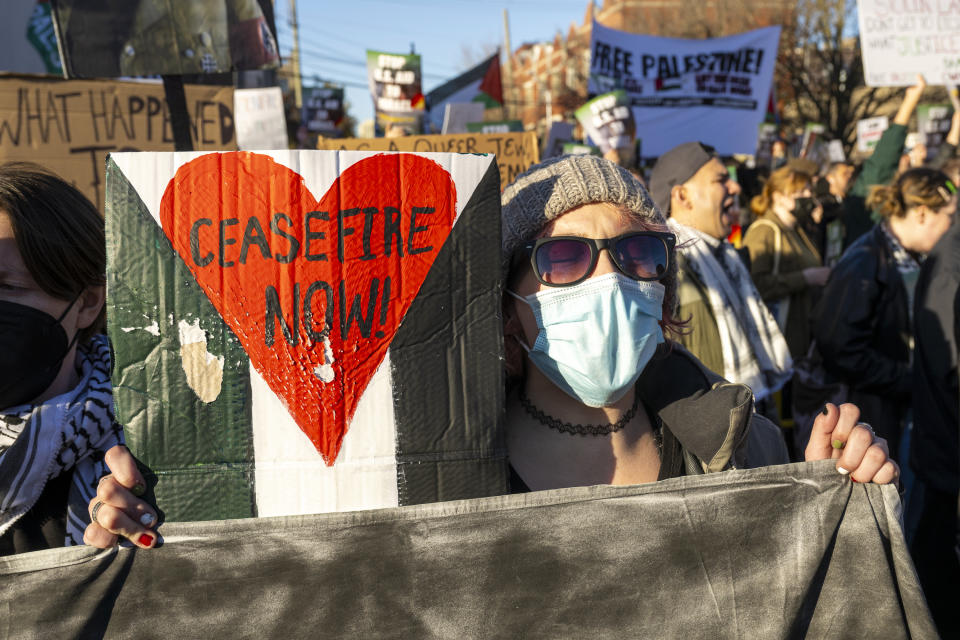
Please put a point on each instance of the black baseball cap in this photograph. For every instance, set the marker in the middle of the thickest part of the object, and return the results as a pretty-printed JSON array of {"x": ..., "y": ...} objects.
[{"x": 676, "y": 167}]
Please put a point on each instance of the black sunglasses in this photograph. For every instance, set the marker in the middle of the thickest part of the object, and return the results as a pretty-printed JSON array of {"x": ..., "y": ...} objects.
[{"x": 563, "y": 261}]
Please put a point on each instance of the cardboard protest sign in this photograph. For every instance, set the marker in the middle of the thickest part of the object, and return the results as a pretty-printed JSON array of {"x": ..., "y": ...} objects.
[
  {"x": 501, "y": 126},
  {"x": 608, "y": 121},
  {"x": 301, "y": 332},
  {"x": 710, "y": 90},
  {"x": 69, "y": 126},
  {"x": 480, "y": 84},
  {"x": 29, "y": 41},
  {"x": 898, "y": 40},
  {"x": 154, "y": 37},
  {"x": 260, "y": 119},
  {"x": 794, "y": 551},
  {"x": 869, "y": 131},
  {"x": 933, "y": 125},
  {"x": 516, "y": 152},
  {"x": 395, "y": 84},
  {"x": 323, "y": 109},
  {"x": 559, "y": 134}
]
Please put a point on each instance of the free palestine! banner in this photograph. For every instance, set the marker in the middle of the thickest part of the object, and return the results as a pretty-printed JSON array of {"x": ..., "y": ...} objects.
[
  {"x": 714, "y": 90},
  {"x": 305, "y": 332}
]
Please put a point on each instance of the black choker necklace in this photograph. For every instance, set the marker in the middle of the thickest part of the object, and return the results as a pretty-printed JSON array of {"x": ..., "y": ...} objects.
[{"x": 581, "y": 429}]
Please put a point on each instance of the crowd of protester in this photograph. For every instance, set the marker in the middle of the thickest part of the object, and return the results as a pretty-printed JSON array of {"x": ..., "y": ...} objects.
[{"x": 623, "y": 309}]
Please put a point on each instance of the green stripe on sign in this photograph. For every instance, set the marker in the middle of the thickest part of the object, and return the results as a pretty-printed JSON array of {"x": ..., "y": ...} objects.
[{"x": 202, "y": 452}]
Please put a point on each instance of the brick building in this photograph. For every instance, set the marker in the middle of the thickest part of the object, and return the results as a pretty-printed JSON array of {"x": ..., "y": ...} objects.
[{"x": 548, "y": 80}]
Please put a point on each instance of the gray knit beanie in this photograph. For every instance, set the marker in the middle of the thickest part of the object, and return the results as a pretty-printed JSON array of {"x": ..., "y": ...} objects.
[{"x": 555, "y": 186}]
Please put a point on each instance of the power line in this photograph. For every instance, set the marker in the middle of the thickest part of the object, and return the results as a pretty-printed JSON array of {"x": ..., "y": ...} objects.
[
  {"x": 325, "y": 54},
  {"x": 356, "y": 63}
]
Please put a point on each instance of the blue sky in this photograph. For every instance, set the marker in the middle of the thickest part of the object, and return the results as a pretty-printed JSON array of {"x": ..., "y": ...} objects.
[{"x": 335, "y": 35}]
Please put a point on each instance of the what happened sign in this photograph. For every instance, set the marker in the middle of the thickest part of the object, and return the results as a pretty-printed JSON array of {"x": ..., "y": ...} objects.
[
  {"x": 901, "y": 38},
  {"x": 69, "y": 126},
  {"x": 713, "y": 90}
]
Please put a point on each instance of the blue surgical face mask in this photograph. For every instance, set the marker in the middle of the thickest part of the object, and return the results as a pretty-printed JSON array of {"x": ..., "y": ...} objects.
[{"x": 596, "y": 337}]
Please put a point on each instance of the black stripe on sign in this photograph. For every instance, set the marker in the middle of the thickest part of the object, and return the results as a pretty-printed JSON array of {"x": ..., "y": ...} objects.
[{"x": 446, "y": 365}]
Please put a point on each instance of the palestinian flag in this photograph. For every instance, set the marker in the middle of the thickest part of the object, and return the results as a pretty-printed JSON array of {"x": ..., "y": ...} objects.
[
  {"x": 480, "y": 84},
  {"x": 303, "y": 332}
]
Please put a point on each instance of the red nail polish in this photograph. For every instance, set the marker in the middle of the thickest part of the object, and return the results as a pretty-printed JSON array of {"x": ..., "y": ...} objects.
[{"x": 145, "y": 539}]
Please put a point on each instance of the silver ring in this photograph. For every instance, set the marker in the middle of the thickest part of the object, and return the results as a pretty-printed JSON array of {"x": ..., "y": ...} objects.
[{"x": 93, "y": 512}]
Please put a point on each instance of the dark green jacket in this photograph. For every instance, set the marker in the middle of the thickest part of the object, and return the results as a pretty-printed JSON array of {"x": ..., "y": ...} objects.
[{"x": 879, "y": 168}]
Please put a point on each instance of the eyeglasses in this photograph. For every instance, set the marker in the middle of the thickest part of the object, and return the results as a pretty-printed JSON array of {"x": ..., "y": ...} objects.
[{"x": 562, "y": 261}]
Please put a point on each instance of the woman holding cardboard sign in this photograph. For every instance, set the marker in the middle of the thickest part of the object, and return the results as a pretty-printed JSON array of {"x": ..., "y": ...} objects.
[
  {"x": 58, "y": 435},
  {"x": 597, "y": 395}
]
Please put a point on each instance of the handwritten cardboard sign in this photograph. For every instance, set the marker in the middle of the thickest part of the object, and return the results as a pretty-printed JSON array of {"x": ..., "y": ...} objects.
[
  {"x": 901, "y": 39},
  {"x": 69, "y": 126},
  {"x": 516, "y": 152},
  {"x": 289, "y": 313}
]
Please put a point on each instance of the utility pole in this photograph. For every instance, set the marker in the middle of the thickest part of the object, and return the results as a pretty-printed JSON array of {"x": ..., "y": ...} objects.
[
  {"x": 507, "y": 67},
  {"x": 295, "y": 57}
]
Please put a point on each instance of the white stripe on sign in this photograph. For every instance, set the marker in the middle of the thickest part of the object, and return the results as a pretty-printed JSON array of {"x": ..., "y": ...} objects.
[{"x": 291, "y": 476}]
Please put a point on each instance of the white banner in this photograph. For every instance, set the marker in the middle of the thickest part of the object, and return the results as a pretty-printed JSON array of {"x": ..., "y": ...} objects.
[
  {"x": 713, "y": 91},
  {"x": 901, "y": 39},
  {"x": 260, "y": 121}
]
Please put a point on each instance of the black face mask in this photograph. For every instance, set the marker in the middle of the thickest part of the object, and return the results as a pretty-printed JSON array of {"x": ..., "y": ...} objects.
[
  {"x": 803, "y": 209},
  {"x": 33, "y": 345}
]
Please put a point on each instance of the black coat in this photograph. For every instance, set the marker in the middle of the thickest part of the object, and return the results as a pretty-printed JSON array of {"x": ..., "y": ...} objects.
[
  {"x": 863, "y": 333},
  {"x": 934, "y": 449}
]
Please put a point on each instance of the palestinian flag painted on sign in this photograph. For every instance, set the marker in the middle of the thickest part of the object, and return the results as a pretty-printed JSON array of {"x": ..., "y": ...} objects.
[
  {"x": 479, "y": 84},
  {"x": 302, "y": 332}
]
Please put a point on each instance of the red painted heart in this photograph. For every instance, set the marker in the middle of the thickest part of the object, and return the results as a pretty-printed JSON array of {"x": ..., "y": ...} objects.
[{"x": 314, "y": 290}]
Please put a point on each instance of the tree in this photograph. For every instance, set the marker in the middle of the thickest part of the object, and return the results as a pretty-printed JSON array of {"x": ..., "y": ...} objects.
[{"x": 820, "y": 70}]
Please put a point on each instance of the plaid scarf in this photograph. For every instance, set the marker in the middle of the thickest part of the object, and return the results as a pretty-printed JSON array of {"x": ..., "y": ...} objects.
[{"x": 66, "y": 434}]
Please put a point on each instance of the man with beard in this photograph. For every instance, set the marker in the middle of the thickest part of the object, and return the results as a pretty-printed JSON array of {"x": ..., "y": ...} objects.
[{"x": 730, "y": 329}]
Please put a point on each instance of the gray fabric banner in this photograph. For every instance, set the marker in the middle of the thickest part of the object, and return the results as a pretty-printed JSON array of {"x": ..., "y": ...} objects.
[{"x": 778, "y": 552}]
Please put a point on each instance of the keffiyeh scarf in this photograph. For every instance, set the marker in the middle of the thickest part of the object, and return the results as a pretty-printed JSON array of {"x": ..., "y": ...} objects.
[
  {"x": 755, "y": 352},
  {"x": 66, "y": 434}
]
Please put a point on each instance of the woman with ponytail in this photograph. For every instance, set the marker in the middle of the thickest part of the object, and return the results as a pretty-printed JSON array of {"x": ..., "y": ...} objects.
[{"x": 864, "y": 322}]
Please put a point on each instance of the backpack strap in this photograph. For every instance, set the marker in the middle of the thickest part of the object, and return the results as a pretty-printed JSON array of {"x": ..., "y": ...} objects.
[{"x": 777, "y": 242}]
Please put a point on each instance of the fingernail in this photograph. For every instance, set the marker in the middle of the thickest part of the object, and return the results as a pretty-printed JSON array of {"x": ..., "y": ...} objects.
[
  {"x": 145, "y": 540},
  {"x": 146, "y": 519},
  {"x": 838, "y": 444},
  {"x": 825, "y": 410},
  {"x": 138, "y": 489},
  {"x": 842, "y": 471}
]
